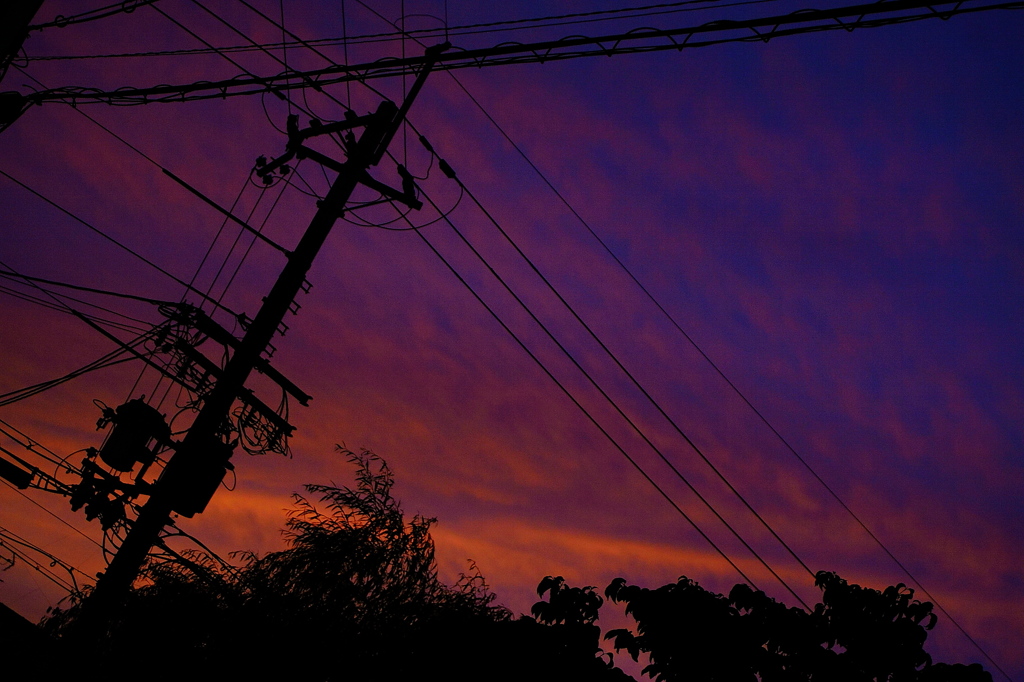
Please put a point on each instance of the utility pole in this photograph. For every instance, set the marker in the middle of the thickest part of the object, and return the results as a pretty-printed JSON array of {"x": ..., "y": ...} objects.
[
  {"x": 15, "y": 16},
  {"x": 200, "y": 461}
]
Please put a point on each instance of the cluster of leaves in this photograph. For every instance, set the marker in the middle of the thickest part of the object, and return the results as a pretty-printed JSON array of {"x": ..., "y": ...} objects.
[{"x": 855, "y": 634}]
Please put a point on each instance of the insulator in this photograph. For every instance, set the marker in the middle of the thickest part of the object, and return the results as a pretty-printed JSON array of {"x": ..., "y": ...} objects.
[{"x": 135, "y": 424}]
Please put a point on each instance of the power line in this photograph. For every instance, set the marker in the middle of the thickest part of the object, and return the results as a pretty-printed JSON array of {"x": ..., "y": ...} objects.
[
  {"x": 64, "y": 308},
  {"x": 92, "y": 540},
  {"x": 633, "y": 379},
  {"x": 739, "y": 393},
  {"x": 114, "y": 241},
  {"x": 105, "y": 292},
  {"x": 124, "y": 7},
  {"x": 786, "y": 443},
  {"x": 585, "y": 412},
  {"x": 9, "y": 538},
  {"x": 764, "y": 29},
  {"x": 611, "y": 401},
  {"x": 428, "y": 33}
]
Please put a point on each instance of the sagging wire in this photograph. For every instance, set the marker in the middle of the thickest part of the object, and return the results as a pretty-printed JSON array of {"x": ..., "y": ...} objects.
[
  {"x": 61, "y": 21},
  {"x": 10, "y": 541}
]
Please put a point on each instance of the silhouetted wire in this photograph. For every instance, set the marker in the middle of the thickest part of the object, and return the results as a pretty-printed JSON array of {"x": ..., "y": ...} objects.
[
  {"x": 55, "y": 560},
  {"x": 419, "y": 226},
  {"x": 633, "y": 379},
  {"x": 284, "y": 50},
  {"x": 30, "y": 444},
  {"x": 123, "y": 7},
  {"x": 163, "y": 371},
  {"x": 58, "y": 303},
  {"x": 267, "y": 52},
  {"x": 105, "y": 292},
  {"x": 68, "y": 297},
  {"x": 217, "y": 51},
  {"x": 318, "y": 53},
  {"x": 220, "y": 230},
  {"x": 611, "y": 401},
  {"x": 785, "y": 442},
  {"x": 719, "y": 371},
  {"x": 108, "y": 360},
  {"x": 141, "y": 153},
  {"x": 344, "y": 46},
  {"x": 446, "y": 32},
  {"x": 405, "y": 127},
  {"x": 231, "y": 251},
  {"x": 266, "y": 112},
  {"x": 28, "y": 298},
  {"x": 363, "y": 222},
  {"x": 15, "y": 489},
  {"x": 586, "y": 412},
  {"x": 238, "y": 267},
  {"x": 544, "y": 51},
  {"x": 309, "y": 191},
  {"x": 32, "y": 563},
  {"x": 105, "y": 361},
  {"x": 109, "y": 238}
]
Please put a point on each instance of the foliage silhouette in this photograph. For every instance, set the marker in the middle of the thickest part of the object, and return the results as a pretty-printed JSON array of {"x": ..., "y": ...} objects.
[
  {"x": 355, "y": 595},
  {"x": 855, "y": 634}
]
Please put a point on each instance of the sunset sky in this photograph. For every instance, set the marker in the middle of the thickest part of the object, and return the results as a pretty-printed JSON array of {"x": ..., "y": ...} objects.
[{"x": 835, "y": 219}]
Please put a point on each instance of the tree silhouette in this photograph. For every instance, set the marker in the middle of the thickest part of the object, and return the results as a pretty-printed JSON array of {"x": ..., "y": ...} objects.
[
  {"x": 355, "y": 595},
  {"x": 855, "y": 634}
]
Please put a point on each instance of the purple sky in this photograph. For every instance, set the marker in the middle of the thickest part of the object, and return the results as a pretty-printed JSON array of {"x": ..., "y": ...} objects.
[{"x": 835, "y": 219}]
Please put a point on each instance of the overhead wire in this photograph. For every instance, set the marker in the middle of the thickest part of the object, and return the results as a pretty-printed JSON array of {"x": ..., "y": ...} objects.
[
  {"x": 10, "y": 274},
  {"x": 123, "y": 7},
  {"x": 9, "y": 538},
  {"x": 230, "y": 252},
  {"x": 593, "y": 420},
  {"x": 248, "y": 249},
  {"x": 315, "y": 51},
  {"x": 30, "y": 444},
  {"x": 641, "y": 40},
  {"x": 446, "y": 32},
  {"x": 81, "y": 301},
  {"x": 35, "y": 300},
  {"x": 730, "y": 383},
  {"x": 63, "y": 521},
  {"x": 114, "y": 241},
  {"x": 106, "y": 361},
  {"x": 759, "y": 414},
  {"x": 188, "y": 287},
  {"x": 618, "y": 409},
  {"x": 674, "y": 424}
]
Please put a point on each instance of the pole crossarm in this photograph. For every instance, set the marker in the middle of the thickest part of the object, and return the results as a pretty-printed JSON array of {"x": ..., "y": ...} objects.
[{"x": 638, "y": 40}]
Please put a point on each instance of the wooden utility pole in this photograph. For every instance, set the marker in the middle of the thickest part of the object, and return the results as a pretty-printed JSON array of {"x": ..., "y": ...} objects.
[{"x": 200, "y": 462}]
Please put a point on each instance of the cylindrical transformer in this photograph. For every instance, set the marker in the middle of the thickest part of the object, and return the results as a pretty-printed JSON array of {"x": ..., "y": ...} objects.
[{"x": 135, "y": 425}]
